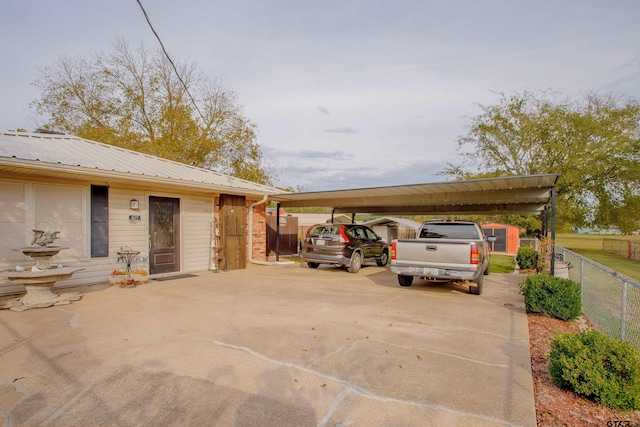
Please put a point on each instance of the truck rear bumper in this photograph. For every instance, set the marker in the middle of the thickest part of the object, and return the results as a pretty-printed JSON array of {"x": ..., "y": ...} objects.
[{"x": 435, "y": 273}]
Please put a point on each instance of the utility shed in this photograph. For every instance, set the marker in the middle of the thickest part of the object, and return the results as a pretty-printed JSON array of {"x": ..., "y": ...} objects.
[{"x": 507, "y": 237}]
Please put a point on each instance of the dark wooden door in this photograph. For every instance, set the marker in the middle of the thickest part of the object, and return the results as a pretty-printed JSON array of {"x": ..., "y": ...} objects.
[
  {"x": 164, "y": 235},
  {"x": 233, "y": 232}
]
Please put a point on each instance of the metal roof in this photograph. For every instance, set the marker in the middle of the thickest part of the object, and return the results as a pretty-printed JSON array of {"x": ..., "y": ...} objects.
[
  {"x": 71, "y": 156},
  {"x": 505, "y": 195}
]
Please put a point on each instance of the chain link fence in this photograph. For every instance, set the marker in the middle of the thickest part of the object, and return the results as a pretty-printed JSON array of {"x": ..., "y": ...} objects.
[
  {"x": 625, "y": 248},
  {"x": 610, "y": 300}
]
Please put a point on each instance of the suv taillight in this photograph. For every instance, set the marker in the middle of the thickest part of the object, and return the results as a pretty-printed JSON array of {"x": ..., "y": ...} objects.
[
  {"x": 343, "y": 236},
  {"x": 393, "y": 250},
  {"x": 475, "y": 255}
]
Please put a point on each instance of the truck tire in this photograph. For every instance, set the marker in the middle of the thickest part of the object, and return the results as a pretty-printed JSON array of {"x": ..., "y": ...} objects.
[
  {"x": 313, "y": 264},
  {"x": 477, "y": 290},
  {"x": 356, "y": 263},
  {"x": 487, "y": 270},
  {"x": 383, "y": 260},
  {"x": 405, "y": 280}
]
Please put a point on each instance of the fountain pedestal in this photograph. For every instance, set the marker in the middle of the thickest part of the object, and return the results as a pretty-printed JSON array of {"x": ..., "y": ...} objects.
[
  {"x": 39, "y": 285},
  {"x": 39, "y": 281}
]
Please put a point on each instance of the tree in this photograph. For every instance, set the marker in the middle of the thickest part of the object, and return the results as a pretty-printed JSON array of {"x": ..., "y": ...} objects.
[
  {"x": 135, "y": 100},
  {"x": 594, "y": 143}
]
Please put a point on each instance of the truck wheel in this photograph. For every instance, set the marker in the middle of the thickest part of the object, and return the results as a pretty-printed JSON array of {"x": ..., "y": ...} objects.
[
  {"x": 356, "y": 263},
  {"x": 313, "y": 264},
  {"x": 405, "y": 280},
  {"x": 487, "y": 270},
  {"x": 477, "y": 290},
  {"x": 384, "y": 258}
]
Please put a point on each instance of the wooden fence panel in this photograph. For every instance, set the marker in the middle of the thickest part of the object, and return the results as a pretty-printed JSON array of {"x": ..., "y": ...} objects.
[{"x": 288, "y": 235}]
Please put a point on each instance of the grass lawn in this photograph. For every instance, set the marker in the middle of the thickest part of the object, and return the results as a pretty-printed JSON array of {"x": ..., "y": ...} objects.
[
  {"x": 502, "y": 264},
  {"x": 590, "y": 246}
]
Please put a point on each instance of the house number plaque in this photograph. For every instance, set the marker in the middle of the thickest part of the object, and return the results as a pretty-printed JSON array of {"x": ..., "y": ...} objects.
[{"x": 134, "y": 217}]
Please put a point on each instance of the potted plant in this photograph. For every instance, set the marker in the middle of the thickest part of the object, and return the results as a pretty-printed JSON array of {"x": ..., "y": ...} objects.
[
  {"x": 117, "y": 277},
  {"x": 140, "y": 275}
]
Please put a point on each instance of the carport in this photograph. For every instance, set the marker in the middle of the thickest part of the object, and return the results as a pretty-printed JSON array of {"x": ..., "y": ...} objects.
[{"x": 525, "y": 195}]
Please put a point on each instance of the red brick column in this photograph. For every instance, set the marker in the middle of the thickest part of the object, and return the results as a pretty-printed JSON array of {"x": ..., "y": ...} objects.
[{"x": 259, "y": 250}]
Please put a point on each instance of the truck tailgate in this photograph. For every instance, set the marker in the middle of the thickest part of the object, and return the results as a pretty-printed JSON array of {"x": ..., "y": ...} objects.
[{"x": 430, "y": 252}]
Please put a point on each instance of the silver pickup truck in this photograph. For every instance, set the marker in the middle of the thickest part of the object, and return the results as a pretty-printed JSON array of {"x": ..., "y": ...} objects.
[{"x": 443, "y": 251}]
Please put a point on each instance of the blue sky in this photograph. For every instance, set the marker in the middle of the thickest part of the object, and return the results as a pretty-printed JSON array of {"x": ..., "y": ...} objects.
[{"x": 345, "y": 94}]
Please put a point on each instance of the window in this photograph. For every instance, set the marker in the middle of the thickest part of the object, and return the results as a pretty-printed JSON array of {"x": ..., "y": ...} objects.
[
  {"x": 453, "y": 230},
  {"x": 99, "y": 221},
  {"x": 371, "y": 235}
]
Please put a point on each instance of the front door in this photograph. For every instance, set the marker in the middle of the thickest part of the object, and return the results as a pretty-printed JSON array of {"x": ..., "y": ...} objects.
[
  {"x": 233, "y": 232},
  {"x": 164, "y": 236}
]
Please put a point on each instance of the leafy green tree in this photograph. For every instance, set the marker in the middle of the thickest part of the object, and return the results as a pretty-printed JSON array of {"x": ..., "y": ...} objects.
[
  {"x": 134, "y": 99},
  {"x": 594, "y": 143}
]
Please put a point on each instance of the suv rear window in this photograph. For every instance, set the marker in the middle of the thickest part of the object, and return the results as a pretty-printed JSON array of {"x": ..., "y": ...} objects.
[
  {"x": 325, "y": 229},
  {"x": 449, "y": 231}
]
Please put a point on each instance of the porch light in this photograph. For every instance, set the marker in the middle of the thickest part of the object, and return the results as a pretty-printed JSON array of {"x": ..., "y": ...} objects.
[{"x": 134, "y": 205}]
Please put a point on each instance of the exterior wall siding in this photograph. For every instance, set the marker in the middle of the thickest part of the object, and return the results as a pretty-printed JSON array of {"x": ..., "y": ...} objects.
[
  {"x": 51, "y": 206},
  {"x": 196, "y": 227},
  {"x": 124, "y": 231}
]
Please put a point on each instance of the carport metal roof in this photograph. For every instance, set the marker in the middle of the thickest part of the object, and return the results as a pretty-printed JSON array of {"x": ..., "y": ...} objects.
[{"x": 506, "y": 195}]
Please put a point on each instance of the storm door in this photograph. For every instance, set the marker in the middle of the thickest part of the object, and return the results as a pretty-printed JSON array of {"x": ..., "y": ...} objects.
[
  {"x": 164, "y": 235},
  {"x": 233, "y": 232}
]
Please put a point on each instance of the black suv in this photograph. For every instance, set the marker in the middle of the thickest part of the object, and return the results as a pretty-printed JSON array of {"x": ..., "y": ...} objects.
[{"x": 349, "y": 245}]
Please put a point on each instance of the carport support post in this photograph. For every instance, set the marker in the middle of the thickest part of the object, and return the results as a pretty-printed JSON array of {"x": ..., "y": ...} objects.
[
  {"x": 553, "y": 231},
  {"x": 277, "y": 231}
]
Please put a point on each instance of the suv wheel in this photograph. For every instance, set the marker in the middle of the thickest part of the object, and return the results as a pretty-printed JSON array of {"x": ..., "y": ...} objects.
[
  {"x": 383, "y": 260},
  {"x": 313, "y": 264},
  {"x": 356, "y": 263}
]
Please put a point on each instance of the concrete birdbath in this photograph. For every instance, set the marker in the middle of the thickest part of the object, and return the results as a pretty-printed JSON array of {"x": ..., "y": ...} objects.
[{"x": 40, "y": 279}]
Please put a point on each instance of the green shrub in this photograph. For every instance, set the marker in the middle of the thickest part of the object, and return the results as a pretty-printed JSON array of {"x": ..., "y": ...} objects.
[
  {"x": 602, "y": 369},
  {"x": 527, "y": 258},
  {"x": 551, "y": 295}
]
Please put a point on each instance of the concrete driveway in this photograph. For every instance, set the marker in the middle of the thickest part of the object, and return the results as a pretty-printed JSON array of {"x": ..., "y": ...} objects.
[{"x": 271, "y": 346}]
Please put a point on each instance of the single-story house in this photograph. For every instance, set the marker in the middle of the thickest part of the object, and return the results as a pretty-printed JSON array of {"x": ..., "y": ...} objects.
[
  {"x": 390, "y": 228},
  {"x": 103, "y": 198},
  {"x": 507, "y": 237}
]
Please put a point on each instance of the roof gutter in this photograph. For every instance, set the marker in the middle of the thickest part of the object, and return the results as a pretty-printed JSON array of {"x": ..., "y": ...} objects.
[{"x": 251, "y": 259}]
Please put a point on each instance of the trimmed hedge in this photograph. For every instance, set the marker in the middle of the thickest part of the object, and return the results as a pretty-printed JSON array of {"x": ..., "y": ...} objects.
[
  {"x": 551, "y": 295},
  {"x": 527, "y": 258},
  {"x": 605, "y": 370}
]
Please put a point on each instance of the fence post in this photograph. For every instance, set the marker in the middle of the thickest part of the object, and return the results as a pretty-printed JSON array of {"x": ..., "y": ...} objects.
[
  {"x": 623, "y": 313},
  {"x": 582, "y": 280}
]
